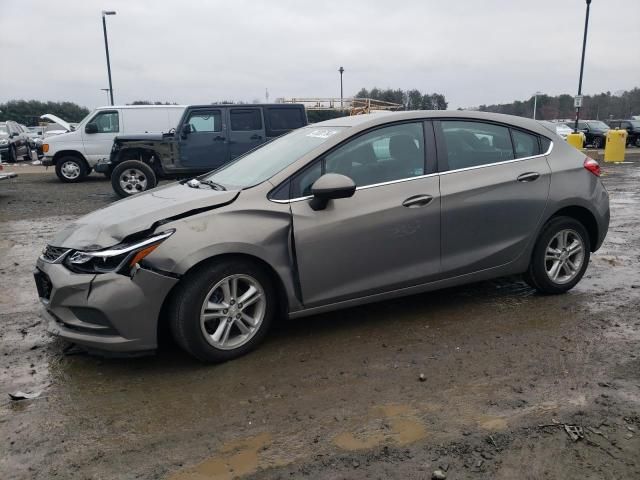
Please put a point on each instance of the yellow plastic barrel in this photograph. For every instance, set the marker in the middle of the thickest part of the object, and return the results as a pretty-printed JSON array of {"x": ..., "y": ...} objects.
[
  {"x": 576, "y": 140},
  {"x": 615, "y": 146}
]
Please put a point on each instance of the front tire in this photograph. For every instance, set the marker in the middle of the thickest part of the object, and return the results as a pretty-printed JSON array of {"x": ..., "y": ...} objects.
[
  {"x": 27, "y": 157},
  {"x": 222, "y": 310},
  {"x": 71, "y": 169},
  {"x": 598, "y": 142},
  {"x": 13, "y": 158},
  {"x": 131, "y": 177},
  {"x": 560, "y": 256}
]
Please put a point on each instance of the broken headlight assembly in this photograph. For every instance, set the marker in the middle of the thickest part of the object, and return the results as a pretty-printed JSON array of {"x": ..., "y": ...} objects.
[{"x": 119, "y": 258}]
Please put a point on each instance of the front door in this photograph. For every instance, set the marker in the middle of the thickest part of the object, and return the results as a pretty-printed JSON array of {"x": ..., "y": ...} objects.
[
  {"x": 98, "y": 145},
  {"x": 205, "y": 146},
  {"x": 386, "y": 236},
  {"x": 494, "y": 187},
  {"x": 246, "y": 130}
]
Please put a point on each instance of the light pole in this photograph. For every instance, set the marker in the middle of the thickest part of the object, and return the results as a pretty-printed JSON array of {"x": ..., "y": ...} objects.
[
  {"x": 341, "y": 70},
  {"x": 584, "y": 46},
  {"x": 106, "y": 48},
  {"x": 535, "y": 103},
  {"x": 107, "y": 92}
]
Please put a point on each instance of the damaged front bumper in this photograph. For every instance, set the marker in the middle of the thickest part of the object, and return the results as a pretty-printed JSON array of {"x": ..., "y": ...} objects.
[{"x": 105, "y": 311}]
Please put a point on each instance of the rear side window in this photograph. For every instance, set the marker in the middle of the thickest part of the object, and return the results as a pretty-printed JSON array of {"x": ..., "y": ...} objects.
[
  {"x": 525, "y": 144},
  {"x": 280, "y": 120},
  {"x": 243, "y": 120},
  {"x": 472, "y": 144}
]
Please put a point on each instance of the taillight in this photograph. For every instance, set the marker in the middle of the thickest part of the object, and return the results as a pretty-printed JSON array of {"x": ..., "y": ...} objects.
[{"x": 592, "y": 165}]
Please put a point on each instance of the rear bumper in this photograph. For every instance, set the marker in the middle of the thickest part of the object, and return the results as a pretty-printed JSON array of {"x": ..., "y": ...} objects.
[
  {"x": 103, "y": 166},
  {"x": 106, "y": 312}
]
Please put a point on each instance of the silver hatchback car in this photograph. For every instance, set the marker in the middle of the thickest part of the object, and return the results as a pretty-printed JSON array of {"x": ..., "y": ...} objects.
[{"x": 340, "y": 213}]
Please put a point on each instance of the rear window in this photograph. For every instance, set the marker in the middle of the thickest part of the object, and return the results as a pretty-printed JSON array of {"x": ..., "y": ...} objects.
[
  {"x": 280, "y": 120},
  {"x": 246, "y": 119},
  {"x": 525, "y": 144}
]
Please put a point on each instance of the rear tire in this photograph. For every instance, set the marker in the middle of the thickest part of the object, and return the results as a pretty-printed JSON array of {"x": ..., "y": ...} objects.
[
  {"x": 200, "y": 310},
  {"x": 560, "y": 256},
  {"x": 131, "y": 177},
  {"x": 71, "y": 169}
]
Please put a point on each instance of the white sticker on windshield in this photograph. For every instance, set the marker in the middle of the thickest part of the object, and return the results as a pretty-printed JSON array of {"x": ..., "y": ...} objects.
[{"x": 323, "y": 133}]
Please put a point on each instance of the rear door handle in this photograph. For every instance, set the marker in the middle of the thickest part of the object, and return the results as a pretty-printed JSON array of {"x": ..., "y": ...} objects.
[
  {"x": 417, "y": 201},
  {"x": 529, "y": 177},
  {"x": 255, "y": 137}
]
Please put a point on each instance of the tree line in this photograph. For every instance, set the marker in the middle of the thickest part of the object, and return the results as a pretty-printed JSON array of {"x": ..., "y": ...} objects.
[
  {"x": 602, "y": 106},
  {"x": 28, "y": 112},
  {"x": 412, "y": 99}
]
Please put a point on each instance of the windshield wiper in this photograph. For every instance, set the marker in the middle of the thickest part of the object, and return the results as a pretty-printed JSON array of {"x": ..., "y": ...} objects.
[
  {"x": 214, "y": 185},
  {"x": 195, "y": 183}
]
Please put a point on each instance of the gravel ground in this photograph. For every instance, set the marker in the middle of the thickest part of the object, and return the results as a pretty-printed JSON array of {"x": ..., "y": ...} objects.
[{"x": 335, "y": 396}]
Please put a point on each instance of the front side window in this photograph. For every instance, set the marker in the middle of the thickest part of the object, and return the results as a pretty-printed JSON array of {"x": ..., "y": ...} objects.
[
  {"x": 472, "y": 144},
  {"x": 107, "y": 122},
  {"x": 383, "y": 155},
  {"x": 525, "y": 144},
  {"x": 210, "y": 121},
  {"x": 247, "y": 119}
]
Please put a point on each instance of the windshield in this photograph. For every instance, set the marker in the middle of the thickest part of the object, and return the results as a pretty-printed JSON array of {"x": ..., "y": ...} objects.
[
  {"x": 635, "y": 123},
  {"x": 598, "y": 124},
  {"x": 266, "y": 161}
]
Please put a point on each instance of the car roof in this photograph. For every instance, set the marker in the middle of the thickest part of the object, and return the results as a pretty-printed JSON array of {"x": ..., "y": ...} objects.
[
  {"x": 248, "y": 105},
  {"x": 375, "y": 119},
  {"x": 111, "y": 107}
]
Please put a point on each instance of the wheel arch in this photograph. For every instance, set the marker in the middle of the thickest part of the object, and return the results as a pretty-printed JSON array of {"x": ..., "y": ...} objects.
[
  {"x": 142, "y": 154},
  {"x": 69, "y": 153},
  {"x": 281, "y": 292},
  {"x": 585, "y": 217}
]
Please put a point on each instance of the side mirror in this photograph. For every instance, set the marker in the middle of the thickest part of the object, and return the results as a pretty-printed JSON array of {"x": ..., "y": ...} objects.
[
  {"x": 91, "y": 128},
  {"x": 330, "y": 186},
  {"x": 14, "y": 134},
  {"x": 186, "y": 130}
]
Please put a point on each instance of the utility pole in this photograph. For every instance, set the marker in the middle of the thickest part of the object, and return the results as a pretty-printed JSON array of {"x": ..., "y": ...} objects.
[
  {"x": 106, "y": 48},
  {"x": 535, "y": 103},
  {"x": 341, "y": 70},
  {"x": 578, "y": 103}
]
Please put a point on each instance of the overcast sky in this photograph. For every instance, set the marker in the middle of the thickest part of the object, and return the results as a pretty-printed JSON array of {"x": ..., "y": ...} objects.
[{"x": 189, "y": 51}]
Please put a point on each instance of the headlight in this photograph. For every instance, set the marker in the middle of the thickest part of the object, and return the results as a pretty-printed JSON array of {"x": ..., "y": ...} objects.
[
  {"x": 3, "y": 141},
  {"x": 118, "y": 258}
]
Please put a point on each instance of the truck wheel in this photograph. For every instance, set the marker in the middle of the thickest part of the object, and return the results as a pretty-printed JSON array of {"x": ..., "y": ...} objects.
[
  {"x": 71, "y": 169},
  {"x": 131, "y": 177}
]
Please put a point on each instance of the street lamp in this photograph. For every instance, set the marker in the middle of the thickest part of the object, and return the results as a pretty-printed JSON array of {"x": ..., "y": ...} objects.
[
  {"x": 341, "y": 70},
  {"x": 535, "y": 103},
  {"x": 584, "y": 46},
  {"x": 106, "y": 48}
]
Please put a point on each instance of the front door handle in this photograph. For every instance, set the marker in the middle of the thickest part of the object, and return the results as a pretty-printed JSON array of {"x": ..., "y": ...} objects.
[
  {"x": 219, "y": 138},
  {"x": 255, "y": 137},
  {"x": 529, "y": 177},
  {"x": 417, "y": 201}
]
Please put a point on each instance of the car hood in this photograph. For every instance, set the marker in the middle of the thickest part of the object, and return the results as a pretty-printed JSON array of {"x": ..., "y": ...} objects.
[
  {"x": 58, "y": 120},
  {"x": 110, "y": 225}
]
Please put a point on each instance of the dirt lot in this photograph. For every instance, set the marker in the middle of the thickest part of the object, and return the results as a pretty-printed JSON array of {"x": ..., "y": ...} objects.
[{"x": 337, "y": 395}]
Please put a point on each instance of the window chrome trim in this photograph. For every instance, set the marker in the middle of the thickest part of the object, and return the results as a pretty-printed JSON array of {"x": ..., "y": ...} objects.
[{"x": 446, "y": 172}]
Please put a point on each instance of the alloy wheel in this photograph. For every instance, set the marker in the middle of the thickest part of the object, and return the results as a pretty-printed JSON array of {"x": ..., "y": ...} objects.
[
  {"x": 133, "y": 181},
  {"x": 564, "y": 256},
  {"x": 233, "y": 311}
]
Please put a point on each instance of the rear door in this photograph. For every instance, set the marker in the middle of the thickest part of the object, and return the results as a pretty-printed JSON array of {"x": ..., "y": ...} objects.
[
  {"x": 280, "y": 119},
  {"x": 494, "y": 185},
  {"x": 246, "y": 130},
  {"x": 385, "y": 237},
  {"x": 205, "y": 147}
]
